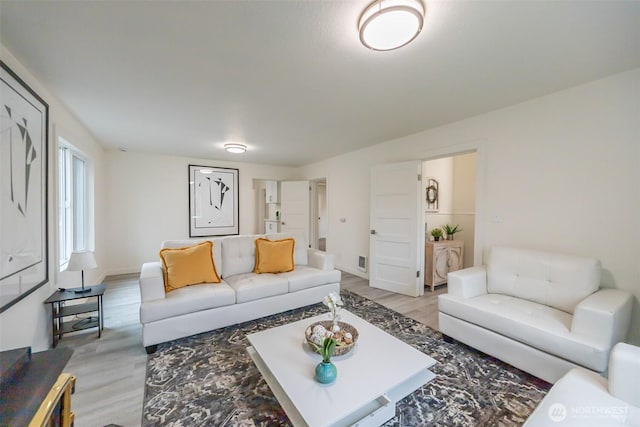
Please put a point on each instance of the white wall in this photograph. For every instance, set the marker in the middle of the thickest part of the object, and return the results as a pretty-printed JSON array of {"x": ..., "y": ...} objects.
[
  {"x": 560, "y": 173},
  {"x": 148, "y": 202},
  {"x": 464, "y": 203},
  {"x": 28, "y": 323}
]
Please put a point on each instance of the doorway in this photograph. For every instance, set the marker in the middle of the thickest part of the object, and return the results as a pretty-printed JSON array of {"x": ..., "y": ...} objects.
[
  {"x": 449, "y": 189},
  {"x": 319, "y": 214},
  {"x": 405, "y": 211}
]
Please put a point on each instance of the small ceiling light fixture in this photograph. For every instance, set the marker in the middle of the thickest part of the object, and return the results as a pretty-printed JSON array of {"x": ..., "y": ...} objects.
[
  {"x": 390, "y": 24},
  {"x": 235, "y": 148}
]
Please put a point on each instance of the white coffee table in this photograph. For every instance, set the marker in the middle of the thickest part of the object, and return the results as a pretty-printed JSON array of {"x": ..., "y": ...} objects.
[{"x": 372, "y": 378}]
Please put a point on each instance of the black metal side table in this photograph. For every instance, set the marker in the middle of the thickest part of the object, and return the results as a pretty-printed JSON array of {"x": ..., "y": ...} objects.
[{"x": 59, "y": 311}]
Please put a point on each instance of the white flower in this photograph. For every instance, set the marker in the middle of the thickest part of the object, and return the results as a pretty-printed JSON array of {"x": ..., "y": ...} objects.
[
  {"x": 335, "y": 298},
  {"x": 327, "y": 301},
  {"x": 336, "y": 328},
  {"x": 348, "y": 335},
  {"x": 332, "y": 300}
]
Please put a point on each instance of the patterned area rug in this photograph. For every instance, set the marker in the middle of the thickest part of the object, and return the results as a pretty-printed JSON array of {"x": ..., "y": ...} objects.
[{"x": 210, "y": 380}]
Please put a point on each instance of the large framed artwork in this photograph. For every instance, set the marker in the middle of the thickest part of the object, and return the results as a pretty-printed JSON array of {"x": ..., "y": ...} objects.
[
  {"x": 24, "y": 264},
  {"x": 213, "y": 201}
]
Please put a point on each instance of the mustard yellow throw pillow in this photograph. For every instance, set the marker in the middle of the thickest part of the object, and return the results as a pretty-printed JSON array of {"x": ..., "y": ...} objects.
[
  {"x": 274, "y": 256},
  {"x": 188, "y": 266}
]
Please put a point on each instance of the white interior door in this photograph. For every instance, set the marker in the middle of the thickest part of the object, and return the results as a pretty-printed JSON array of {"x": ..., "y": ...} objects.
[
  {"x": 395, "y": 250},
  {"x": 294, "y": 208}
]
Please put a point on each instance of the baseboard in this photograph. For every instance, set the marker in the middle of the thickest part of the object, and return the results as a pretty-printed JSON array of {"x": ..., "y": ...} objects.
[
  {"x": 126, "y": 270},
  {"x": 353, "y": 271},
  {"x": 101, "y": 278}
]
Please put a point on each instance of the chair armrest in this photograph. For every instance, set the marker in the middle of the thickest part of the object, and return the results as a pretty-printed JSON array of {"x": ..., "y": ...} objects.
[
  {"x": 603, "y": 317},
  {"x": 624, "y": 373},
  {"x": 467, "y": 283},
  {"x": 151, "y": 282},
  {"x": 321, "y": 260}
]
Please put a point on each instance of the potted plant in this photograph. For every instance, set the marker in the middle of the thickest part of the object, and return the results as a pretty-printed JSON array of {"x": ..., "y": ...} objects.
[
  {"x": 326, "y": 371},
  {"x": 436, "y": 233},
  {"x": 450, "y": 230}
]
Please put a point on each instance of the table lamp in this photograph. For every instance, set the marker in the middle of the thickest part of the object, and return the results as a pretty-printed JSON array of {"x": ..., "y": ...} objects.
[{"x": 81, "y": 261}]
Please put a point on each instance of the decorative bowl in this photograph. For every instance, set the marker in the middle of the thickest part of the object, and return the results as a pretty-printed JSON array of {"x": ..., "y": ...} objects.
[{"x": 344, "y": 344}]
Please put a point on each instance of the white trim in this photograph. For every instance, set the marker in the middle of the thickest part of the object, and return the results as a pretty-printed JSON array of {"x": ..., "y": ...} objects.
[
  {"x": 88, "y": 222},
  {"x": 451, "y": 213},
  {"x": 477, "y": 146}
]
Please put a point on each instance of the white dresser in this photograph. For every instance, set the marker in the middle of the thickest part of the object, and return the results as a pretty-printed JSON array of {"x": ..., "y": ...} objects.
[{"x": 440, "y": 258}]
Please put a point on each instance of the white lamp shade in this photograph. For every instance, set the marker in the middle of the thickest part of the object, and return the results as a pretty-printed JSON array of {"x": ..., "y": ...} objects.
[
  {"x": 81, "y": 260},
  {"x": 390, "y": 24}
]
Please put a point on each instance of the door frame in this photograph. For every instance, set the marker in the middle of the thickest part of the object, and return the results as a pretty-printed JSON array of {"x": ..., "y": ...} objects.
[{"x": 314, "y": 212}]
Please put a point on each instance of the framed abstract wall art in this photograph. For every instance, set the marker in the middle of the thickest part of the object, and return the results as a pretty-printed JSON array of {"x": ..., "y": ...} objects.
[
  {"x": 213, "y": 201},
  {"x": 24, "y": 118}
]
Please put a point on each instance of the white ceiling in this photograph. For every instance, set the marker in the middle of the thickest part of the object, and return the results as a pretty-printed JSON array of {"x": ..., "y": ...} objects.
[{"x": 290, "y": 78}]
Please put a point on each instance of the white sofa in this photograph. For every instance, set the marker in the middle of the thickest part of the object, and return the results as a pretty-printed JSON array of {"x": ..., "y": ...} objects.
[
  {"x": 584, "y": 399},
  {"x": 242, "y": 294},
  {"x": 538, "y": 311}
]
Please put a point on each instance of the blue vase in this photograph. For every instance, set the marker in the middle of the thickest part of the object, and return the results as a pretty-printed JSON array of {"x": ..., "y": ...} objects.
[{"x": 326, "y": 373}]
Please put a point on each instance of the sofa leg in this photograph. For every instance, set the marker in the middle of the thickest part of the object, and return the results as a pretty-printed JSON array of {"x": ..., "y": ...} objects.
[
  {"x": 150, "y": 349},
  {"x": 447, "y": 339}
]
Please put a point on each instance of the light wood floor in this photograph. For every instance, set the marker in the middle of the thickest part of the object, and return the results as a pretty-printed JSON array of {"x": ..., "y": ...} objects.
[{"x": 110, "y": 371}]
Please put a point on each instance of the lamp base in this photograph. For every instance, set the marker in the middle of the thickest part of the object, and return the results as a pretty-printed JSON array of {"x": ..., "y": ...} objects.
[{"x": 80, "y": 290}]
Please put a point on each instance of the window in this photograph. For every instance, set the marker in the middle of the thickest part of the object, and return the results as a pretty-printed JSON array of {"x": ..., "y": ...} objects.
[{"x": 73, "y": 197}]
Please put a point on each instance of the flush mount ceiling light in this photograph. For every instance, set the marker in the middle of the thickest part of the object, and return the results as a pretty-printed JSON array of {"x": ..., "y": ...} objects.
[
  {"x": 235, "y": 148},
  {"x": 390, "y": 24}
]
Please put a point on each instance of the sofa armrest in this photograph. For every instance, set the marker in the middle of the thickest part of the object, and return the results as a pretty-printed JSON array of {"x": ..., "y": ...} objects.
[
  {"x": 151, "y": 282},
  {"x": 624, "y": 373},
  {"x": 467, "y": 283},
  {"x": 603, "y": 317},
  {"x": 321, "y": 260}
]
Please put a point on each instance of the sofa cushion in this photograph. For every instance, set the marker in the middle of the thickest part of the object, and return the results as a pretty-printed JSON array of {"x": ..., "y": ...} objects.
[
  {"x": 300, "y": 251},
  {"x": 274, "y": 256},
  {"x": 187, "y": 266},
  {"x": 239, "y": 254},
  {"x": 304, "y": 277},
  {"x": 188, "y": 300},
  {"x": 217, "y": 249},
  {"x": 556, "y": 280},
  {"x": 539, "y": 326},
  {"x": 251, "y": 286}
]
